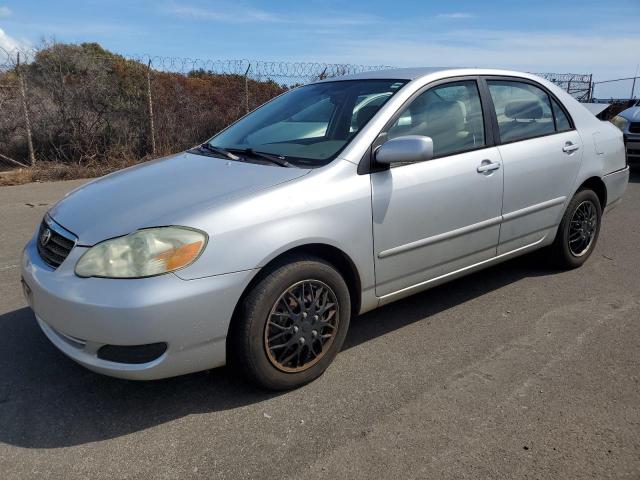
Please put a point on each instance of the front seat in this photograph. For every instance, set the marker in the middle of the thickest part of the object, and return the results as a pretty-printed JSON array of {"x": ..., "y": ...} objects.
[{"x": 446, "y": 126}]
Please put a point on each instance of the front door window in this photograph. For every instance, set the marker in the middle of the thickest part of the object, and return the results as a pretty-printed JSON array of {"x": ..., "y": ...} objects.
[{"x": 450, "y": 114}]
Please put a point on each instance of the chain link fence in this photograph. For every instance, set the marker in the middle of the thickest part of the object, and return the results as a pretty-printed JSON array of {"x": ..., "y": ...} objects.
[
  {"x": 619, "y": 89},
  {"x": 577, "y": 84},
  {"x": 82, "y": 106}
]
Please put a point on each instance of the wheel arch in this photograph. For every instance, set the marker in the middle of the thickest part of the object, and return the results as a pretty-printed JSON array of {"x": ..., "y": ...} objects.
[
  {"x": 598, "y": 186},
  {"x": 329, "y": 253}
]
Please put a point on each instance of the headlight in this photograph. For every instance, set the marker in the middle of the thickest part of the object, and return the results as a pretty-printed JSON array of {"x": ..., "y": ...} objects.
[
  {"x": 143, "y": 253},
  {"x": 620, "y": 122}
]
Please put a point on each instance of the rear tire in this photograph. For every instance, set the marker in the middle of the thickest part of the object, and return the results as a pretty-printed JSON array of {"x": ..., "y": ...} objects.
[
  {"x": 291, "y": 324},
  {"x": 578, "y": 231}
]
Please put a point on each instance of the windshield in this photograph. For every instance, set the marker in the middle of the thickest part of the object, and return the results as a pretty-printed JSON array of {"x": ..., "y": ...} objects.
[{"x": 311, "y": 124}]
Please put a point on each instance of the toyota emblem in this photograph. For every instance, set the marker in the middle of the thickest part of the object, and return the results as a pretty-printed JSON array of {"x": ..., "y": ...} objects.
[{"x": 45, "y": 237}]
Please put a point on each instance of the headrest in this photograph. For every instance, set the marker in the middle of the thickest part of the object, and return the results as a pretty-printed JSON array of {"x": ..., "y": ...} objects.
[
  {"x": 365, "y": 114},
  {"x": 445, "y": 116},
  {"x": 523, "y": 110}
]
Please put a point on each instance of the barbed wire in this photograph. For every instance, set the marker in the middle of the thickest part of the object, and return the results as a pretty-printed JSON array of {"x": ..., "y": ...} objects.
[
  {"x": 566, "y": 77},
  {"x": 186, "y": 65},
  {"x": 259, "y": 69}
]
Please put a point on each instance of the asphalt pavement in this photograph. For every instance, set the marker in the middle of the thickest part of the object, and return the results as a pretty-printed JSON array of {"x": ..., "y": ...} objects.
[{"x": 520, "y": 371}]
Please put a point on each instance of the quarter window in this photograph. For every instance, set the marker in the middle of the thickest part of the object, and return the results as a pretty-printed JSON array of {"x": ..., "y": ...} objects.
[
  {"x": 523, "y": 110},
  {"x": 450, "y": 114},
  {"x": 562, "y": 122}
]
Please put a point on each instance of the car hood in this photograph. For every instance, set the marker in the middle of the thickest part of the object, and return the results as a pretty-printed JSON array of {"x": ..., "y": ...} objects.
[
  {"x": 170, "y": 191},
  {"x": 632, "y": 114}
]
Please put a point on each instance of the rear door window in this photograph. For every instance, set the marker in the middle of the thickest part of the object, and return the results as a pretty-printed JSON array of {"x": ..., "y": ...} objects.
[{"x": 523, "y": 110}]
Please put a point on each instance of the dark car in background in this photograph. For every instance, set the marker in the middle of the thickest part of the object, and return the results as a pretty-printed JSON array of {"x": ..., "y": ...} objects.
[{"x": 629, "y": 122}]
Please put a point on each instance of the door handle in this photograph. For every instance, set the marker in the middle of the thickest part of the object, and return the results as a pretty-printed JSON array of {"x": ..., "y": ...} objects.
[
  {"x": 570, "y": 147},
  {"x": 488, "y": 166}
]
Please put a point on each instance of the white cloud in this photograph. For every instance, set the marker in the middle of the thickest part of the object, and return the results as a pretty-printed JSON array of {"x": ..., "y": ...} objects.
[
  {"x": 9, "y": 43},
  {"x": 456, "y": 15},
  {"x": 606, "y": 56},
  {"x": 228, "y": 13},
  {"x": 4, "y": 11},
  {"x": 247, "y": 15}
]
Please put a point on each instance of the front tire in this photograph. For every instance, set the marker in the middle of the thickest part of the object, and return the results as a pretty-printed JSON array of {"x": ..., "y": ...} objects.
[
  {"x": 578, "y": 231},
  {"x": 291, "y": 324}
]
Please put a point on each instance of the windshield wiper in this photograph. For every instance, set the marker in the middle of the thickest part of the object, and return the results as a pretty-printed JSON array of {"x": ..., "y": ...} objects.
[
  {"x": 272, "y": 157},
  {"x": 219, "y": 151}
]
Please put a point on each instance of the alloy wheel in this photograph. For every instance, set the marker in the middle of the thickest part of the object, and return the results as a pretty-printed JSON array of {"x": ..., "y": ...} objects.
[
  {"x": 582, "y": 228},
  {"x": 302, "y": 325}
]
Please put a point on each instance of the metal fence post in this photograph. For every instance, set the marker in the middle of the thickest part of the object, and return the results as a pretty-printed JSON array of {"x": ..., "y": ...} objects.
[
  {"x": 27, "y": 123},
  {"x": 246, "y": 89},
  {"x": 150, "y": 102}
]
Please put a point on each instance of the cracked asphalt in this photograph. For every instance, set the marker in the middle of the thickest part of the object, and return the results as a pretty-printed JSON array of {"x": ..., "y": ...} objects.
[{"x": 519, "y": 371}]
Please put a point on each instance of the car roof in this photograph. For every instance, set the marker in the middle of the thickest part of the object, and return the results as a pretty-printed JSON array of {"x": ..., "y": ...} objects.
[
  {"x": 396, "y": 73},
  {"x": 419, "y": 72}
]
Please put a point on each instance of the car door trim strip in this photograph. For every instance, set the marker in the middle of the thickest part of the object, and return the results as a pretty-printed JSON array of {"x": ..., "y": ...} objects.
[
  {"x": 471, "y": 228},
  {"x": 533, "y": 209},
  {"x": 440, "y": 237}
]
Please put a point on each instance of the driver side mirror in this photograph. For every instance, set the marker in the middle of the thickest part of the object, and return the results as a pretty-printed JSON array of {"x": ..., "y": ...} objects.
[{"x": 406, "y": 149}]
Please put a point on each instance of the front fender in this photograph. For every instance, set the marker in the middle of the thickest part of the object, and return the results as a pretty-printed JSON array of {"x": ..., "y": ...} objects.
[{"x": 331, "y": 206}]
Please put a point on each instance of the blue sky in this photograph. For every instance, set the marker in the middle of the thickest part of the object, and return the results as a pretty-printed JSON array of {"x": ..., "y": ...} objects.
[{"x": 560, "y": 36}]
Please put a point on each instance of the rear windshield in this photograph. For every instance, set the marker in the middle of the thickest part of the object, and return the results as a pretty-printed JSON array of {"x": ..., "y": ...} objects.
[{"x": 311, "y": 124}]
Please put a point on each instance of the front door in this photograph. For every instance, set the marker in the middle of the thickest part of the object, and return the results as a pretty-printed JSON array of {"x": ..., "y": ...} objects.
[{"x": 435, "y": 217}]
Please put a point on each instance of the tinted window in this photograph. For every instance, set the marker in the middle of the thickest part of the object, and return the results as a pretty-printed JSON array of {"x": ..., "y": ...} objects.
[
  {"x": 562, "y": 122},
  {"x": 450, "y": 114},
  {"x": 320, "y": 111},
  {"x": 523, "y": 110},
  {"x": 366, "y": 106}
]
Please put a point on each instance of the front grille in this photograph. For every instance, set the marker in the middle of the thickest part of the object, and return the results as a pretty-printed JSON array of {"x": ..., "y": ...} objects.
[
  {"x": 54, "y": 242},
  {"x": 634, "y": 127}
]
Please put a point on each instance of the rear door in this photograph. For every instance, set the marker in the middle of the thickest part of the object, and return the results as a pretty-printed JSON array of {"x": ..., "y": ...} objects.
[{"x": 541, "y": 152}]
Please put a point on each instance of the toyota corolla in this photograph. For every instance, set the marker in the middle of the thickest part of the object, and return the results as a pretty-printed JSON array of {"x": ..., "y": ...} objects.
[{"x": 258, "y": 246}]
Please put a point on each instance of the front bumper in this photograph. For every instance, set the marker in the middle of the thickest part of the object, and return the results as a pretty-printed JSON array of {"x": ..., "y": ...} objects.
[{"x": 81, "y": 315}]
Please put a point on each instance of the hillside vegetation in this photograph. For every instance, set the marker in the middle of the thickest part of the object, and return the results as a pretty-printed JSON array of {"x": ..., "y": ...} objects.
[{"x": 89, "y": 109}]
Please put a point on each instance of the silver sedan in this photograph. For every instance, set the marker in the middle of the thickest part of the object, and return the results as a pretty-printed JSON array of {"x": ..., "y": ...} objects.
[{"x": 258, "y": 246}]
